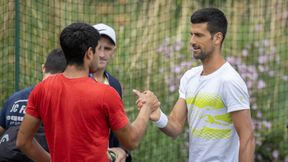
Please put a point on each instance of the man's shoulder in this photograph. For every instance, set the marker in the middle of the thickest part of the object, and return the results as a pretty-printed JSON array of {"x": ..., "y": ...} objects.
[
  {"x": 230, "y": 74},
  {"x": 193, "y": 71},
  {"x": 22, "y": 94},
  {"x": 111, "y": 78},
  {"x": 25, "y": 90},
  {"x": 102, "y": 87},
  {"x": 114, "y": 83}
]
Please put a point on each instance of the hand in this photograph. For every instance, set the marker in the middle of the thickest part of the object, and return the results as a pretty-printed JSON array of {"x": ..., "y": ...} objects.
[
  {"x": 155, "y": 115},
  {"x": 147, "y": 97},
  {"x": 120, "y": 154},
  {"x": 139, "y": 101}
]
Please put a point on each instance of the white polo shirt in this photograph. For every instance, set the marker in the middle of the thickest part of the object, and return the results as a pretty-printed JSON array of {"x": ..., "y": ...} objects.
[{"x": 210, "y": 99}]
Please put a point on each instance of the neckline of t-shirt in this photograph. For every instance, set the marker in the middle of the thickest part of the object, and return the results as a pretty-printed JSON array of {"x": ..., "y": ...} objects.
[
  {"x": 204, "y": 77},
  {"x": 72, "y": 79}
]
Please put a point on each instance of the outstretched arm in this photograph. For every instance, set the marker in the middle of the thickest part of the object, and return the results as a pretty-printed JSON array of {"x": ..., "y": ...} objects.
[
  {"x": 131, "y": 134},
  {"x": 26, "y": 142},
  {"x": 176, "y": 119},
  {"x": 173, "y": 125},
  {"x": 243, "y": 124}
]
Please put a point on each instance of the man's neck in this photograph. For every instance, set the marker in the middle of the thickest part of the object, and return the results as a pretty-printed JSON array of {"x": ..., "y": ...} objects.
[
  {"x": 212, "y": 63},
  {"x": 73, "y": 71},
  {"x": 99, "y": 76}
]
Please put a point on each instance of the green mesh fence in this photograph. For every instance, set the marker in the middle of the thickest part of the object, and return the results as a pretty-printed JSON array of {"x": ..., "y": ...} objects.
[{"x": 153, "y": 53}]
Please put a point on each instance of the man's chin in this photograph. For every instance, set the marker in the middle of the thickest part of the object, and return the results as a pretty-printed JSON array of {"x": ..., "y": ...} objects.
[
  {"x": 94, "y": 70},
  {"x": 100, "y": 68},
  {"x": 196, "y": 55}
]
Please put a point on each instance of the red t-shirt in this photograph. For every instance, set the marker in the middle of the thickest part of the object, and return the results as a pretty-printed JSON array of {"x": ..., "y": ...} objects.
[{"x": 77, "y": 115}]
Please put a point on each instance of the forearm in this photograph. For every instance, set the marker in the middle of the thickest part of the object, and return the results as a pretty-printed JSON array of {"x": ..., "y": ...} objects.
[
  {"x": 247, "y": 149},
  {"x": 243, "y": 125},
  {"x": 176, "y": 119},
  {"x": 27, "y": 144},
  {"x": 138, "y": 127},
  {"x": 34, "y": 151},
  {"x": 173, "y": 128}
]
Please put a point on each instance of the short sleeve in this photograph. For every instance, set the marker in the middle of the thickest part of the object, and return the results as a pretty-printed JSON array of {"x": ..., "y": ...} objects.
[
  {"x": 116, "y": 113},
  {"x": 235, "y": 95},
  {"x": 32, "y": 107},
  {"x": 182, "y": 87}
]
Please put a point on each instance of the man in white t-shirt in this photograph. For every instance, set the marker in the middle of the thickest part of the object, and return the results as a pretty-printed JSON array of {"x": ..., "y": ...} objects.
[{"x": 213, "y": 99}]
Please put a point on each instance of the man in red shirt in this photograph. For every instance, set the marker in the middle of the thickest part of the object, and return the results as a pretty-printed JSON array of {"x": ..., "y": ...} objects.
[{"x": 78, "y": 112}]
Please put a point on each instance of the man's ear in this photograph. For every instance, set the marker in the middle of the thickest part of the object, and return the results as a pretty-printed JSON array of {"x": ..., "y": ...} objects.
[
  {"x": 89, "y": 54},
  {"x": 218, "y": 37}
]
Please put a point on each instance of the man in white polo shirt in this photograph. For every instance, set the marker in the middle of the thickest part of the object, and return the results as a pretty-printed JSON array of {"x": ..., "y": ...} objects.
[{"x": 213, "y": 99}]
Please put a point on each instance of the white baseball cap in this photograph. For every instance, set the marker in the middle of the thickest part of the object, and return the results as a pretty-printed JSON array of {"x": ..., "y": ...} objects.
[{"x": 104, "y": 29}]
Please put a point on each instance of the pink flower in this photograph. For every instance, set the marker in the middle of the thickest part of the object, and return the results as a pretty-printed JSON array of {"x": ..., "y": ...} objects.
[
  {"x": 176, "y": 69},
  {"x": 249, "y": 84},
  {"x": 261, "y": 84},
  {"x": 178, "y": 45},
  {"x": 262, "y": 68},
  {"x": 259, "y": 114},
  {"x": 285, "y": 78},
  {"x": 254, "y": 107},
  {"x": 186, "y": 64},
  {"x": 172, "y": 88},
  {"x": 271, "y": 73},
  {"x": 234, "y": 60},
  {"x": 262, "y": 59},
  {"x": 286, "y": 159},
  {"x": 266, "y": 42},
  {"x": 245, "y": 52},
  {"x": 267, "y": 124},
  {"x": 275, "y": 154}
]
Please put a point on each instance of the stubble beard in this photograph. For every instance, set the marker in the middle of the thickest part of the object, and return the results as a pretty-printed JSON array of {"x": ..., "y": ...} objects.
[{"x": 200, "y": 56}]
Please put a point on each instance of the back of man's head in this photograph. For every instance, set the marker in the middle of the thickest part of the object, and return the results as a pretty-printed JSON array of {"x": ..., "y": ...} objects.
[
  {"x": 215, "y": 18},
  {"x": 55, "y": 62},
  {"x": 76, "y": 39}
]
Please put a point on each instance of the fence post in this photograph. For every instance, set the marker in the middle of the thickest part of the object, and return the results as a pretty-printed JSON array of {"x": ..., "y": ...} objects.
[{"x": 17, "y": 44}]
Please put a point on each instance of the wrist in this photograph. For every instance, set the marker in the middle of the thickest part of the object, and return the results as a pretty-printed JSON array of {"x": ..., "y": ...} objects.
[
  {"x": 162, "y": 122},
  {"x": 112, "y": 155},
  {"x": 126, "y": 151}
]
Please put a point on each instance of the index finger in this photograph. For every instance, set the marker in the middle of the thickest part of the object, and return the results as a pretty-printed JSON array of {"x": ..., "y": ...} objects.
[{"x": 136, "y": 92}]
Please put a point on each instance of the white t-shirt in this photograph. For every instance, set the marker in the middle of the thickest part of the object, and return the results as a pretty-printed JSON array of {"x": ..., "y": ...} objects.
[{"x": 210, "y": 99}]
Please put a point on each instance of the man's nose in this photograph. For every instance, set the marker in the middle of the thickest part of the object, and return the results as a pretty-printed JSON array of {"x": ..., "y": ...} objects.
[
  {"x": 192, "y": 41},
  {"x": 100, "y": 52}
]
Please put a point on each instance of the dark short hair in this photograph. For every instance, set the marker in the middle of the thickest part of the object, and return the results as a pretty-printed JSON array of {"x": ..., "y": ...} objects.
[
  {"x": 55, "y": 62},
  {"x": 215, "y": 18},
  {"x": 76, "y": 39}
]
